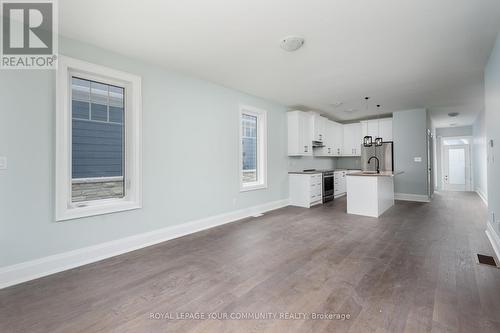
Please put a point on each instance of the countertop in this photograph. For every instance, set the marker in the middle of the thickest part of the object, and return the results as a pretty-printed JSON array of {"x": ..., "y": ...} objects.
[
  {"x": 305, "y": 172},
  {"x": 320, "y": 171},
  {"x": 381, "y": 174}
]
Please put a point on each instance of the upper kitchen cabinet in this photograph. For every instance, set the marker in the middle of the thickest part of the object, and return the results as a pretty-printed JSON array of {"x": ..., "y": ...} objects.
[
  {"x": 329, "y": 144},
  {"x": 385, "y": 131},
  {"x": 378, "y": 128},
  {"x": 318, "y": 127},
  {"x": 337, "y": 136},
  {"x": 299, "y": 133},
  {"x": 352, "y": 140}
]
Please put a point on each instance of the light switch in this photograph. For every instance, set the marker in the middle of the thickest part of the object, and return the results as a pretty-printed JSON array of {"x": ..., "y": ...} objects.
[
  {"x": 417, "y": 159},
  {"x": 3, "y": 163}
]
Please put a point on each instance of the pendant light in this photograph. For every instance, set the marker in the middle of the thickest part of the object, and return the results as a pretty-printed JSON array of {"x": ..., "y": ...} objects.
[
  {"x": 367, "y": 140},
  {"x": 378, "y": 140}
]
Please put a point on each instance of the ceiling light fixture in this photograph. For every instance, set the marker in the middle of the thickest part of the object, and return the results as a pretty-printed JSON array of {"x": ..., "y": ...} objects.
[
  {"x": 453, "y": 114},
  {"x": 291, "y": 43},
  {"x": 453, "y": 124},
  {"x": 378, "y": 140},
  {"x": 367, "y": 140}
]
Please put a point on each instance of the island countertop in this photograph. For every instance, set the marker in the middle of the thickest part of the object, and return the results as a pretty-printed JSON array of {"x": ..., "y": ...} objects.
[{"x": 370, "y": 174}]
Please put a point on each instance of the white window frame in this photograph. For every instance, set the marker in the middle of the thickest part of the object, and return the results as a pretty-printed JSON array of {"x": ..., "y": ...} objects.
[
  {"x": 65, "y": 209},
  {"x": 261, "y": 115}
]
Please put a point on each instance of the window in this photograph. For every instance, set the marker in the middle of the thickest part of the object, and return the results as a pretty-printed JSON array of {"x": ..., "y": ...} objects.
[
  {"x": 98, "y": 152},
  {"x": 253, "y": 148}
]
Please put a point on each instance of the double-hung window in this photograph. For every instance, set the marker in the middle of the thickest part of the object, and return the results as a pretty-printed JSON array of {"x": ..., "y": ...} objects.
[
  {"x": 98, "y": 140},
  {"x": 253, "y": 148}
]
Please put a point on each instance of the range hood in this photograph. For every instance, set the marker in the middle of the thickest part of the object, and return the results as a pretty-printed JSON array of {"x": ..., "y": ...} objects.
[{"x": 318, "y": 144}]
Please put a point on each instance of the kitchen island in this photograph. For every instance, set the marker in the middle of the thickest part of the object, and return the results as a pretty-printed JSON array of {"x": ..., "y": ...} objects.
[{"x": 370, "y": 194}]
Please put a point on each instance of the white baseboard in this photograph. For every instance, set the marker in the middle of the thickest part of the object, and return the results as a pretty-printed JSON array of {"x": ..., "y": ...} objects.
[
  {"x": 482, "y": 196},
  {"x": 411, "y": 197},
  {"x": 15, "y": 274},
  {"x": 494, "y": 239}
]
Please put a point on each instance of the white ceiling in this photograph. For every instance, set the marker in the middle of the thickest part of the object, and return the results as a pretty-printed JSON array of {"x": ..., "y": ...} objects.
[{"x": 403, "y": 53}]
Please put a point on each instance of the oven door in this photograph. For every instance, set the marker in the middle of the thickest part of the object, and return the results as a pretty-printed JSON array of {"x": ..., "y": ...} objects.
[{"x": 328, "y": 185}]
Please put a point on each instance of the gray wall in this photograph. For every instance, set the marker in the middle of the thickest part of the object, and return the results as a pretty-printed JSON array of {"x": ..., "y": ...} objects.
[
  {"x": 409, "y": 131},
  {"x": 454, "y": 131},
  {"x": 443, "y": 133},
  {"x": 300, "y": 163},
  {"x": 492, "y": 118},
  {"x": 190, "y": 157},
  {"x": 479, "y": 156},
  {"x": 349, "y": 162}
]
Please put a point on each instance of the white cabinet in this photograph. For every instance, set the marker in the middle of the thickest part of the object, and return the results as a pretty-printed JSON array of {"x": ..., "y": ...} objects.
[
  {"x": 377, "y": 128},
  {"x": 337, "y": 135},
  {"x": 299, "y": 134},
  {"x": 332, "y": 146},
  {"x": 318, "y": 127},
  {"x": 306, "y": 190},
  {"x": 337, "y": 139},
  {"x": 339, "y": 183},
  {"x": 352, "y": 140},
  {"x": 385, "y": 129}
]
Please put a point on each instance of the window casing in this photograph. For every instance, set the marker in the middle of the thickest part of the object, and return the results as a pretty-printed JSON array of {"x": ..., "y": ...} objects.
[
  {"x": 253, "y": 148},
  {"x": 98, "y": 140}
]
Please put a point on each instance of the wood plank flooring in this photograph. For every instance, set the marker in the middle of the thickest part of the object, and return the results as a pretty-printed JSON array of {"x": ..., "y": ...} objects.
[{"x": 412, "y": 270}]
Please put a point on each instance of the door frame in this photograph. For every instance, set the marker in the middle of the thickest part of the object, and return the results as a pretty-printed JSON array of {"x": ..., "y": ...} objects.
[{"x": 442, "y": 159}]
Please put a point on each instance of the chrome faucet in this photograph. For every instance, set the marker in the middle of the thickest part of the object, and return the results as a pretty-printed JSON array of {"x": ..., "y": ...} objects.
[{"x": 378, "y": 162}]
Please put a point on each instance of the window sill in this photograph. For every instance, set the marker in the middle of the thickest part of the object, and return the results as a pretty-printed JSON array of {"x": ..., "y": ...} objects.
[
  {"x": 246, "y": 188},
  {"x": 94, "y": 210}
]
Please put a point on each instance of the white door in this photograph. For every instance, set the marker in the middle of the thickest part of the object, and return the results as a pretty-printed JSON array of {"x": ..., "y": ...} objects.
[{"x": 456, "y": 168}]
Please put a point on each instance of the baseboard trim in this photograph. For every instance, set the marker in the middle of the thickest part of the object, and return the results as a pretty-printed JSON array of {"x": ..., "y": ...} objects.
[
  {"x": 30, "y": 270},
  {"x": 482, "y": 196},
  {"x": 411, "y": 197},
  {"x": 494, "y": 239}
]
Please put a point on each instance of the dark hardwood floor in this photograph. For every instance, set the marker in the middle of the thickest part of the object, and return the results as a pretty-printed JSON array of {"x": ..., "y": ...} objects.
[{"x": 412, "y": 270}]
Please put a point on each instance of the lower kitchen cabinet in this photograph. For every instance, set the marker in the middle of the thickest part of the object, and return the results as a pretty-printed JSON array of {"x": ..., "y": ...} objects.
[
  {"x": 339, "y": 182},
  {"x": 306, "y": 189}
]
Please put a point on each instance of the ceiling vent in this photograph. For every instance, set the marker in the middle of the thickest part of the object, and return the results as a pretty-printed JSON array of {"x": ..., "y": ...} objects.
[{"x": 291, "y": 43}]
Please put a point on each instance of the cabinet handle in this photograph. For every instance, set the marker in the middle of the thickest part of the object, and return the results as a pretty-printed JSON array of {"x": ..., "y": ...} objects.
[{"x": 305, "y": 149}]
